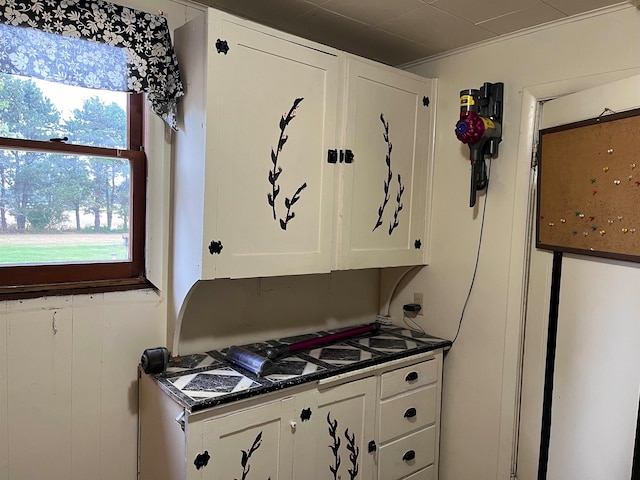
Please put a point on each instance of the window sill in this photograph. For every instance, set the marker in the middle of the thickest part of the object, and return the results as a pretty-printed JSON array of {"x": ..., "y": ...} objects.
[{"x": 73, "y": 288}]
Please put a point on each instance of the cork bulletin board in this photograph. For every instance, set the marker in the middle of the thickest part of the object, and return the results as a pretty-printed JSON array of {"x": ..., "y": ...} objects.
[{"x": 589, "y": 187}]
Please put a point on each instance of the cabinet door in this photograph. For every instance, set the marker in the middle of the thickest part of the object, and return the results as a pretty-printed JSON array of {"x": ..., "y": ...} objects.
[
  {"x": 333, "y": 442},
  {"x": 275, "y": 122},
  {"x": 254, "y": 444},
  {"x": 389, "y": 129}
]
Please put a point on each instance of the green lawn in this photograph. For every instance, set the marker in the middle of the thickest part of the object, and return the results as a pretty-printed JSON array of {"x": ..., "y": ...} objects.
[{"x": 29, "y": 249}]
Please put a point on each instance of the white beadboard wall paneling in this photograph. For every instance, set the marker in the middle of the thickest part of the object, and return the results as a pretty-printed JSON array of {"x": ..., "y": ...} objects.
[
  {"x": 130, "y": 326},
  {"x": 40, "y": 403},
  {"x": 87, "y": 384},
  {"x": 69, "y": 383}
]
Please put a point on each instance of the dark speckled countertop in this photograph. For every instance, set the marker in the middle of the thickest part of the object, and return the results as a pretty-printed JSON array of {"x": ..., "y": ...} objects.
[{"x": 204, "y": 380}]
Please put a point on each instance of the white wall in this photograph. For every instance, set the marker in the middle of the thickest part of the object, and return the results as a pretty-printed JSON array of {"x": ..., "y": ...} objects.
[
  {"x": 480, "y": 372},
  {"x": 236, "y": 312},
  {"x": 68, "y": 365}
]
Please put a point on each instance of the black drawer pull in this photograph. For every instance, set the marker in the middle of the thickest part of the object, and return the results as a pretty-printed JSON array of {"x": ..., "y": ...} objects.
[
  {"x": 372, "y": 447},
  {"x": 411, "y": 376},
  {"x": 410, "y": 413},
  {"x": 408, "y": 456}
]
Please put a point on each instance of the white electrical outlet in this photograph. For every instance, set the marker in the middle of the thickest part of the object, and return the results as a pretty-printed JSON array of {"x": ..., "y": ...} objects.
[{"x": 417, "y": 298}]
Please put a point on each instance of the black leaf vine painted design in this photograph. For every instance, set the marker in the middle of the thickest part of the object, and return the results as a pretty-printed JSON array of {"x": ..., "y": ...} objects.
[
  {"x": 352, "y": 447},
  {"x": 289, "y": 203},
  {"x": 387, "y": 184},
  {"x": 246, "y": 455},
  {"x": 333, "y": 427},
  {"x": 354, "y": 452},
  {"x": 399, "y": 206},
  {"x": 275, "y": 172}
]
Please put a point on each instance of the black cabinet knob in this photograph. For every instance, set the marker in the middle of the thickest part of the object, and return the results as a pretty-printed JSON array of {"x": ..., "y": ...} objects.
[
  {"x": 215, "y": 247},
  {"x": 411, "y": 376},
  {"x": 408, "y": 456},
  {"x": 372, "y": 447},
  {"x": 305, "y": 414},
  {"x": 410, "y": 413},
  {"x": 202, "y": 460}
]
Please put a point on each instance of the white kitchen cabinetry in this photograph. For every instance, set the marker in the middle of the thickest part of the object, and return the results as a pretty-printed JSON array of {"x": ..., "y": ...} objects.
[
  {"x": 257, "y": 440},
  {"x": 388, "y": 125},
  {"x": 294, "y": 158},
  {"x": 408, "y": 426},
  {"x": 252, "y": 188},
  {"x": 381, "y": 422},
  {"x": 333, "y": 442}
]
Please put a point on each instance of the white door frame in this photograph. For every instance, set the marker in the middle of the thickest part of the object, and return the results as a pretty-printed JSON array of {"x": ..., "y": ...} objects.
[{"x": 517, "y": 424}]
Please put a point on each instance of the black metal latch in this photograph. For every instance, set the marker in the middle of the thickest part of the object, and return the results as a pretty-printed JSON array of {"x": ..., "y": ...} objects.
[{"x": 346, "y": 156}]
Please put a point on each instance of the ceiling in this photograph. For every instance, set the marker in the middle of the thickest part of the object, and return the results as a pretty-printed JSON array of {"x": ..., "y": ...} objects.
[{"x": 397, "y": 32}]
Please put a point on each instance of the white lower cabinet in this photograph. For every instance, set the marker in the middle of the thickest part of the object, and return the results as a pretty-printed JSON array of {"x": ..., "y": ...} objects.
[
  {"x": 254, "y": 443},
  {"x": 333, "y": 443},
  {"x": 351, "y": 428},
  {"x": 408, "y": 421}
]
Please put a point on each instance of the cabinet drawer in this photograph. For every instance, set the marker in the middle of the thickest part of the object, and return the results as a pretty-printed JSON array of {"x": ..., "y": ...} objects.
[
  {"x": 407, "y": 455},
  {"x": 408, "y": 378},
  {"x": 407, "y": 413},
  {"x": 428, "y": 473}
]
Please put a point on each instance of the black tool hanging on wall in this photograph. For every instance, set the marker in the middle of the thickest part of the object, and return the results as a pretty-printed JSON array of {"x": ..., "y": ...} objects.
[{"x": 480, "y": 127}]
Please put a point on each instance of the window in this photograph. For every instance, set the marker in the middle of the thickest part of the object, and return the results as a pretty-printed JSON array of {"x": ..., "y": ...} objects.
[
  {"x": 72, "y": 187},
  {"x": 74, "y": 170}
]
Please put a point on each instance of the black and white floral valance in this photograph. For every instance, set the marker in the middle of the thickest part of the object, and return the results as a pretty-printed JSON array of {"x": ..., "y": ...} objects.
[{"x": 94, "y": 44}]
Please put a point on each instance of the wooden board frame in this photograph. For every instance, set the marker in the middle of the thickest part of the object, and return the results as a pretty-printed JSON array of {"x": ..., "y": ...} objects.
[{"x": 588, "y": 198}]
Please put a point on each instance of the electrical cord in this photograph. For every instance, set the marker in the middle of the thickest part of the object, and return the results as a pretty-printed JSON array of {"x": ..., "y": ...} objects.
[
  {"x": 475, "y": 268},
  {"x": 409, "y": 322}
]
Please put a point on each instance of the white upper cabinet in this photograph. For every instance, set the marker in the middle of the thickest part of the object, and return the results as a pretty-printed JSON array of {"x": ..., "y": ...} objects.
[
  {"x": 253, "y": 189},
  {"x": 256, "y": 191},
  {"x": 388, "y": 128}
]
